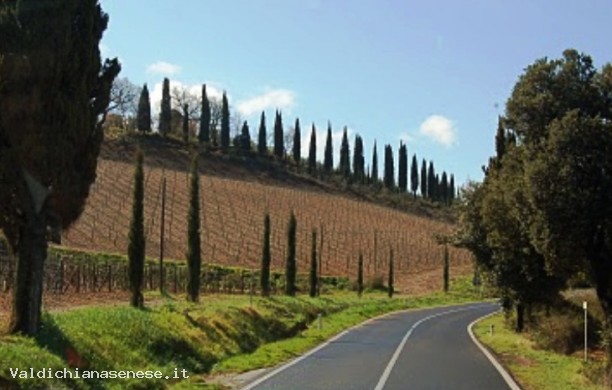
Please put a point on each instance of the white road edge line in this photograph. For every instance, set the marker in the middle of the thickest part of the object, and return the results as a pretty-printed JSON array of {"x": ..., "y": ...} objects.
[
  {"x": 385, "y": 376},
  {"x": 502, "y": 371}
]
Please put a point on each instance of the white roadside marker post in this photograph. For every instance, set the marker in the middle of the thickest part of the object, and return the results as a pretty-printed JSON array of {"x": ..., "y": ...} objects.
[{"x": 584, "y": 306}]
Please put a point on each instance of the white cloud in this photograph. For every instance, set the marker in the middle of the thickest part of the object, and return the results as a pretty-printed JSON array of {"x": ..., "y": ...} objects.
[
  {"x": 162, "y": 67},
  {"x": 275, "y": 99},
  {"x": 439, "y": 129}
]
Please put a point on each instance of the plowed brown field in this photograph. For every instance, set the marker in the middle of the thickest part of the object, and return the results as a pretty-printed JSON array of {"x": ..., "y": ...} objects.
[{"x": 234, "y": 200}]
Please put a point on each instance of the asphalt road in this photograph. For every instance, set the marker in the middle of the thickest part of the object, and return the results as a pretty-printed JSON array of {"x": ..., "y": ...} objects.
[{"x": 423, "y": 349}]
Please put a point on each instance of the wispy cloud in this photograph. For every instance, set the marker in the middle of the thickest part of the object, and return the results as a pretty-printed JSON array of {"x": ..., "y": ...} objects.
[
  {"x": 440, "y": 130},
  {"x": 276, "y": 98},
  {"x": 164, "y": 68}
]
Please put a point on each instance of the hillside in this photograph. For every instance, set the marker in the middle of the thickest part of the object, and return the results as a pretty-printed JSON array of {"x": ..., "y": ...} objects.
[{"x": 235, "y": 197}]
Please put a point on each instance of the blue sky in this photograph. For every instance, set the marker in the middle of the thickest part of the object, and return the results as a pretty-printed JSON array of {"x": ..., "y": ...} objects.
[{"x": 435, "y": 74}]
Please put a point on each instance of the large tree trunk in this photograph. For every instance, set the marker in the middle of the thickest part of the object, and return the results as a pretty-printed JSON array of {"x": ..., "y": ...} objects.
[
  {"x": 28, "y": 288},
  {"x": 603, "y": 279}
]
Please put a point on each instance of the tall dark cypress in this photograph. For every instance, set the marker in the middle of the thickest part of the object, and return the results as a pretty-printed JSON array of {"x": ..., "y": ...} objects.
[
  {"x": 389, "y": 168},
  {"x": 313, "y": 276},
  {"x": 431, "y": 181},
  {"x": 265, "y": 259},
  {"x": 225, "y": 124},
  {"x": 500, "y": 140},
  {"x": 328, "y": 158},
  {"x": 262, "y": 137},
  {"x": 185, "y": 123},
  {"x": 402, "y": 168},
  {"x": 374, "y": 172},
  {"x": 143, "y": 117},
  {"x": 297, "y": 143},
  {"x": 444, "y": 189},
  {"x": 360, "y": 275},
  {"x": 358, "y": 160},
  {"x": 345, "y": 156},
  {"x": 414, "y": 175},
  {"x": 290, "y": 265},
  {"x": 312, "y": 152},
  {"x": 136, "y": 237},
  {"x": 279, "y": 137},
  {"x": 245, "y": 139},
  {"x": 391, "y": 275},
  {"x": 424, "y": 179},
  {"x": 194, "y": 256},
  {"x": 165, "y": 112},
  {"x": 451, "y": 189},
  {"x": 204, "y": 134}
]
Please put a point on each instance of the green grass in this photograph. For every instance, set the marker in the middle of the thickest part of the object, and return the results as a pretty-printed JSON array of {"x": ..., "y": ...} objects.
[
  {"x": 222, "y": 334},
  {"x": 532, "y": 368}
]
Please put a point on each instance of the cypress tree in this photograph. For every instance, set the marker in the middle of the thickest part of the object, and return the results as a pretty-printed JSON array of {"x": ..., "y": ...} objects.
[
  {"x": 391, "y": 275},
  {"x": 291, "y": 267},
  {"x": 374, "y": 172},
  {"x": 345, "y": 156},
  {"x": 360, "y": 275},
  {"x": 431, "y": 181},
  {"x": 358, "y": 160},
  {"x": 205, "y": 117},
  {"x": 279, "y": 137},
  {"x": 414, "y": 175},
  {"x": 446, "y": 273},
  {"x": 165, "y": 112},
  {"x": 225, "y": 124},
  {"x": 262, "y": 144},
  {"x": 194, "y": 257},
  {"x": 451, "y": 189},
  {"x": 185, "y": 123},
  {"x": 136, "y": 245},
  {"x": 313, "y": 275},
  {"x": 500, "y": 141},
  {"x": 312, "y": 152},
  {"x": 328, "y": 158},
  {"x": 444, "y": 188},
  {"x": 402, "y": 180},
  {"x": 266, "y": 259},
  {"x": 245, "y": 139},
  {"x": 297, "y": 143},
  {"x": 389, "y": 169},
  {"x": 143, "y": 117},
  {"x": 424, "y": 179}
]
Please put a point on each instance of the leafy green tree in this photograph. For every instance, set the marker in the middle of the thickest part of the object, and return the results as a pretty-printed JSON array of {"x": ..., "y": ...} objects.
[
  {"x": 313, "y": 276},
  {"x": 374, "y": 173},
  {"x": 279, "y": 137},
  {"x": 136, "y": 237},
  {"x": 358, "y": 160},
  {"x": 444, "y": 188},
  {"x": 328, "y": 157},
  {"x": 205, "y": 117},
  {"x": 451, "y": 189},
  {"x": 297, "y": 143},
  {"x": 262, "y": 144},
  {"x": 402, "y": 180},
  {"x": 245, "y": 139},
  {"x": 143, "y": 117},
  {"x": 50, "y": 131},
  {"x": 165, "y": 113},
  {"x": 389, "y": 168},
  {"x": 424, "y": 180},
  {"x": 414, "y": 175},
  {"x": 431, "y": 181},
  {"x": 225, "y": 124},
  {"x": 266, "y": 259},
  {"x": 345, "y": 156},
  {"x": 312, "y": 152},
  {"x": 194, "y": 256},
  {"x": 360, "y": 275},
  {"x": 391, "y": 276},
  {"x": 291, "y": 266}
]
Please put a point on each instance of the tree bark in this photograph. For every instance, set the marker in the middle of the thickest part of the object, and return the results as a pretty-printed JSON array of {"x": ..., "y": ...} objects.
[
  {"x": 520, "y": 317},
  {"x": 28, "y": 289}
]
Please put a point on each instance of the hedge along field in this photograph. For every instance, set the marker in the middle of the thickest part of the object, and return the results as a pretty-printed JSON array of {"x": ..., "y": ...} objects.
[{"x": 232, "y": 213}]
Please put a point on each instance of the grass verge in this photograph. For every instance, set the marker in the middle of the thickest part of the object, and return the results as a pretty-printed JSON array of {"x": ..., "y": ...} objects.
[
  {"x": 533, "y": 368},
  {"x": 222, "y": 334}
]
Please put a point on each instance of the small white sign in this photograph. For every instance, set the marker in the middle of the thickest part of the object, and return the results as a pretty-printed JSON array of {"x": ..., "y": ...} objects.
[{"x": 584, "y": 305}]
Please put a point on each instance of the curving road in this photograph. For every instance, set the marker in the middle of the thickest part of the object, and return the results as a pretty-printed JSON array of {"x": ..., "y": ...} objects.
[{"x": 421, "y": 349}]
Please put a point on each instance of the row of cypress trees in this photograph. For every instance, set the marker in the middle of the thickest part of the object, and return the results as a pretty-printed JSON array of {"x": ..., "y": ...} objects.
[{"x": 433, "y": 186}]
